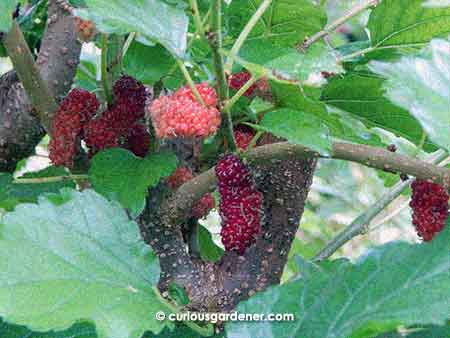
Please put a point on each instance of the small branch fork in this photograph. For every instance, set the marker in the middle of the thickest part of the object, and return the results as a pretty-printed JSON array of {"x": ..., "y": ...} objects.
[{"x": 359, "y": 8}]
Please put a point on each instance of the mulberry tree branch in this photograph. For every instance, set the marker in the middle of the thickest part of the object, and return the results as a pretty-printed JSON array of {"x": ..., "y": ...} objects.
[
  {"x": 29, "y": 75},
  {"x": 369, "y": 156},
  {"x": 20, "y": 127}
]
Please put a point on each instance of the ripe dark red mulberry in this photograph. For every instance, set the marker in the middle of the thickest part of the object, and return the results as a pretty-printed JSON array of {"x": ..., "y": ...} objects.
[
  {"x": 180, "y": 115},
  {"x": 78, "y": 106},
  {"x": 240, "y": 204},
  {"x": 238, "y": 80},
  {"x": 429, "y": 202},
  {"x": 131, "y": 95},
  {"x": 243, "y": 135},
  {"x": 138, "y": 140}
]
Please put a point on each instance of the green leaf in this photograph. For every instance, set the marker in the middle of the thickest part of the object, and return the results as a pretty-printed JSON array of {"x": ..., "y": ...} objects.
[
  {"x": 307, "y": 67},
  {"x": 136, "y": 62},
  {"x": 285, "y": 22},
  {"x": 407, "y": 22},
  {"x": 307, "y": 99},
  {"x": 422, "y": 86},
  {"x": 119, "y": 175},
  {"x": 394, "y": 284},
  {"x": 209, "y": 251},
  {"x": 154, "y": 19},
  {"x": 362, "y": 95},
  {"x": 298, "y": 128},
  {"x": 7, "y": 7},
  {"x": 81, "y": 260},
  {"x": 82, "y": 330},
  {"x": 12, "y": 194}
]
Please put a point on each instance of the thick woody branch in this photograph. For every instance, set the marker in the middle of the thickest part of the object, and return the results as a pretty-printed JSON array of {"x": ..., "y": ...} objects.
[
  {"x": 20, "y": 128},
  {"x": 374, "y": 157},
  {"x": 37, "y": 90}
]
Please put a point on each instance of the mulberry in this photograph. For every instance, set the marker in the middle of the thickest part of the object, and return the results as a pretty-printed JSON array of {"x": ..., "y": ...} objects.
[
  {"x": 240, "y": 204},
  {"x": 180, "y": 176},
  {"x": 180, "y": 115},
  {"x": 238, "y": 80},
  {"x": 202, "y": 208},
  {"x": 429, "y": 202},
  {"x": 85, "y": 28},
  {"x": 138, "y": 140},
  {"x": 78, "y": 106},
  {"x": 243, "y": 135},
  {"x": 131, "y": 95}
]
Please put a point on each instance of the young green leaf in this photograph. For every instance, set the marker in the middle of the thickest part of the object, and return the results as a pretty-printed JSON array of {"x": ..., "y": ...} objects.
[
  {"x": 119, "y": 175},
  {"x": 81, "y": 260},
  {"x": 407, "y": 22},
  {"x": 298, "y": 128},
  {"x": 395, "y": 284},
  {"x": 422, "y": 86},
  {"x": 155, "y": 20}
]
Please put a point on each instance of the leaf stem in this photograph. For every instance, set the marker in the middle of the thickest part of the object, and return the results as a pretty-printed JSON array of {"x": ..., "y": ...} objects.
[
  {"x": 246, "y": 32},
  {"x": 361, "y": 224},
  {"x": 54, "y": 179},
  {"x": 205, "y": 331},
  {"x": 359, "y": 8},
  {"x": 190, "y": 82},
  {"x": 231, "y": 102},
  {"x": 215, "y": 42},
  {"x": 104, "y": 70},
  {"x": 197, "y": 19}
]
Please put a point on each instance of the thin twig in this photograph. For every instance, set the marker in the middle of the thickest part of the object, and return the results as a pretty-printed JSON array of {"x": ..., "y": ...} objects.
[
  {"x": 359, "y": 8},
  {"x": 215, "y": 43},
  {"x": 231, "y": 102},
  {"x": 360, "y": 225},
  {"x": 197, "y": 19},
  {"x": 40, "y": 180},
  {"x": 245, "y": 32},
  {"x": 104, "y": 70}
]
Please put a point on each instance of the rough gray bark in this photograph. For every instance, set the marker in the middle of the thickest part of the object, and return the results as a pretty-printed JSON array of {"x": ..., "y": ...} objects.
[
  {"x": 20, "y": 129},
  {"x": 220, "y": 286}
]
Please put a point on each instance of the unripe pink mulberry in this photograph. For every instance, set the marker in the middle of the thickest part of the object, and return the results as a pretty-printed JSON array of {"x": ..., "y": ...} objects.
[
  {"x": 180, "y": 176},
  {"x": 429, "y": 202},
  {"x": 240, "y": 204},
  {"x": 180, "y": 115}
]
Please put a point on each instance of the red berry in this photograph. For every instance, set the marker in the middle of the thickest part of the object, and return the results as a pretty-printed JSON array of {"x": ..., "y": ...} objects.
[
  {"x": 203, "y": 207},
  {"x": 180, "y": 115},
  {"x": 243, "y": 135},
  {"x": 131, "y": 95},
  {"x": 238, "y": 80},
  {"x": 180, "y": 176},
  {"x": 429, "y": 202},
  {"x": 85, "y": 29},
  {"x": 138, "y": 140},
  {"x": 240, "y": 204},
  {"x": 78, "y": 107}
]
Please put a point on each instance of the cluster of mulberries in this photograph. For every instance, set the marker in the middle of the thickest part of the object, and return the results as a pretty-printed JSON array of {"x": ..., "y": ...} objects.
[
  {"x": 429, "y": 202},
  {"x": 180, "y": 176},
  {"x": 243, "y": 135},
  {"x": 121, "y": 125},
  {"x": 75, "y": 110},
  {"x": 180, "y": 115},
  {"x": 260, "y": 88},
  {"x": 240, "y": 204}
]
